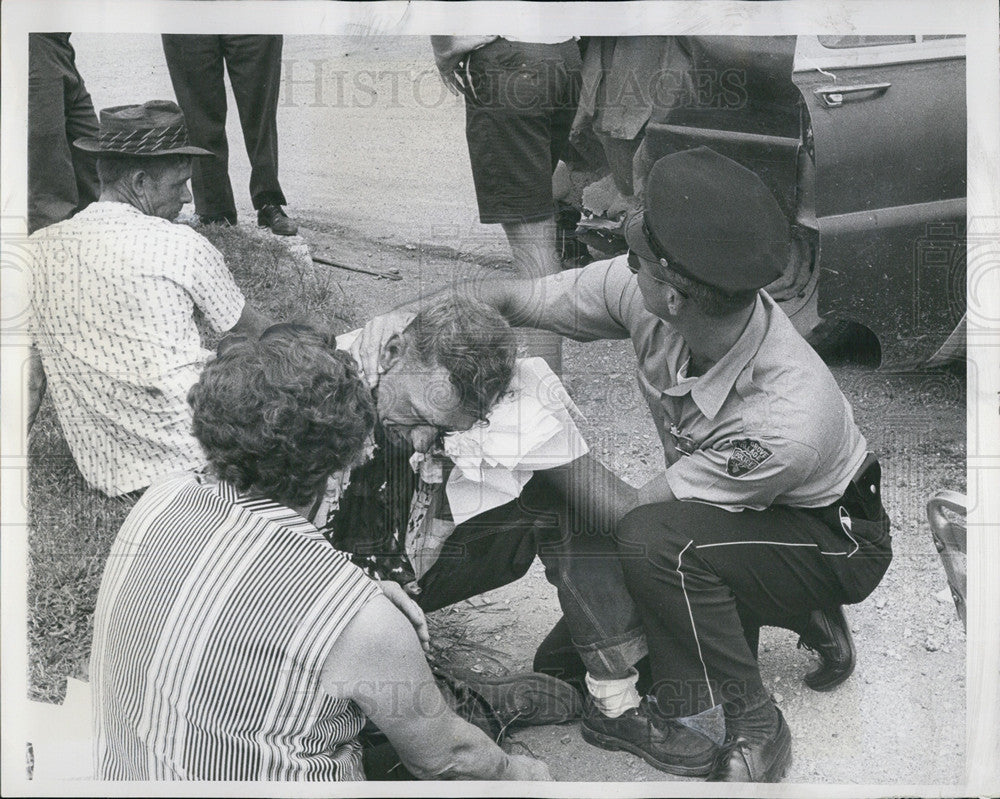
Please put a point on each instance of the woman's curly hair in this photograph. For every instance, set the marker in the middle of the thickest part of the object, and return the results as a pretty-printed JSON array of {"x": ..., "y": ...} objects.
[{"x": 279, "y": 415}]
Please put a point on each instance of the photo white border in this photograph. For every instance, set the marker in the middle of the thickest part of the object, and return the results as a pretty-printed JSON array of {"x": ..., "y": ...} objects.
[{"x": 976, "y": 19}]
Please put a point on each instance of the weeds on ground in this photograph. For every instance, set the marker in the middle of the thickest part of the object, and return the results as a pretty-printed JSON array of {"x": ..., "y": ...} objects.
[{"x": 72, "y": 526}]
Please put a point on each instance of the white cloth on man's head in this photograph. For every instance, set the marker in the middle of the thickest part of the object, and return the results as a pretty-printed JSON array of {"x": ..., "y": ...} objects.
[
  {"x": 530, "y": 429},
  {"x": 113, "y": 301}
]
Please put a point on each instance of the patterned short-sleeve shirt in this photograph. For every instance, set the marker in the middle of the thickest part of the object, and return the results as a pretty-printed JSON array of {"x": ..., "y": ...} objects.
[
  {"x": 766, "y": 425},
  {"x": 113, "y": 300},
  {"x": 216, "y": 613}
]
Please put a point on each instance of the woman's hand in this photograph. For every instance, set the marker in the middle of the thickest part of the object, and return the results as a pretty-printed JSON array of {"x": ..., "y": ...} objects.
[{"x": 367, "y": 349}]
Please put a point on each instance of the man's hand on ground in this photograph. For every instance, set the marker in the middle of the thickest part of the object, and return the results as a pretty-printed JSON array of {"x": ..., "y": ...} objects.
[
  {"x": 373, "y": 337},
  {"x": 394, "y": 593}
]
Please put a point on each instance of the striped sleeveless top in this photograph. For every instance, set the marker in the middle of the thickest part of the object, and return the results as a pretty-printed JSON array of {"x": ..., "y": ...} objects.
[{"x": 215, "y": 615}]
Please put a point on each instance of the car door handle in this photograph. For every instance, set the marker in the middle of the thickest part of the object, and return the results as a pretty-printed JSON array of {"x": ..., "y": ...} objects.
[{"x": 833, "y": 96}]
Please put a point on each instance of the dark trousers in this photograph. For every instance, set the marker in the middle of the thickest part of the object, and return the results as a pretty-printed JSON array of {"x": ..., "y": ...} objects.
[
  {"x": 700, "y": 575},
  {"x": 566, "y": 517},
  {"x": 196, "y": 71},
  {"x": 61, "y": 178}
]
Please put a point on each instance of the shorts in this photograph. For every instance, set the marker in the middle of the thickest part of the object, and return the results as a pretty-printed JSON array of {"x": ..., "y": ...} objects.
[{"x": 519, "y": 108}]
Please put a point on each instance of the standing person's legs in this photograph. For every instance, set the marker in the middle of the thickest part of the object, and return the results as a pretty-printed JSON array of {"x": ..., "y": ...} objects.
[
  {"x": 81, "y": 122},
  {"x": 196, "y": 72},
  {"x": 61, "y": 178},
  {"x": 516, "y": 128},
  {"x": 254, "y": 65}
]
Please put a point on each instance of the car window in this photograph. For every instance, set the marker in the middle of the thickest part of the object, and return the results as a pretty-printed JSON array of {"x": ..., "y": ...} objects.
[{"x": 841, "y": 42}]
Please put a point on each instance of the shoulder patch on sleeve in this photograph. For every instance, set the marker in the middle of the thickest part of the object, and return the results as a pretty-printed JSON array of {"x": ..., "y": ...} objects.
[{"x": 747, "y": 455}]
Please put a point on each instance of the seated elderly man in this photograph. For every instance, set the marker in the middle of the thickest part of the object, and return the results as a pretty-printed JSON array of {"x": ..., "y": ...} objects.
[
  {"x": 267, "y": 648},
  {"x": 113, "y": 302},
  {"x": 452, "y": 365}
]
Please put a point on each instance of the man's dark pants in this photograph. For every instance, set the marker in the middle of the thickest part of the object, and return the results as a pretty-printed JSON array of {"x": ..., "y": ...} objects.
[
  {"x": 196, "y": 65},
  {"x": 62, "y": 179},
  {"x": 700, "y": 575}
]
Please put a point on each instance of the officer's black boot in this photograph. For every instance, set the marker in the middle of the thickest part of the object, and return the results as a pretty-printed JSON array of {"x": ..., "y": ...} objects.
[
  {"x": 827, "y": 633},
  {"x": 758, "y": 746}
]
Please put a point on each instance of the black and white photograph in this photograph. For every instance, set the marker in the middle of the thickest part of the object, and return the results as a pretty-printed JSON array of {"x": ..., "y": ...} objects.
[{"x": 500, "y": 392}]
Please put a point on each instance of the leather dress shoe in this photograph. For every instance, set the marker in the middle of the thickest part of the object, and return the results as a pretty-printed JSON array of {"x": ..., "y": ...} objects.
[
  {"x": 274, "y": 217},
  {"x": 662, "y": 742},
  {"x": 828, "y": 635},
  {"x": 744, "y": 761}
]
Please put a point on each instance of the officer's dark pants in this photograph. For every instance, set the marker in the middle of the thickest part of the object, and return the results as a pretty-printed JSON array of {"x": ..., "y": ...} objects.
[
  {"x": 196, "y": 71},
  {"x": 698, "y": 573},
  {"x": 62, "y": 179},
  {"x": 565, "y": 516}
]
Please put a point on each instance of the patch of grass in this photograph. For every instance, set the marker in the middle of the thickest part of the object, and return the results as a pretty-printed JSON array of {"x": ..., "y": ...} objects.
[
  {"x": 286, "y": 285},
  {"x": 72, "y": 526}
]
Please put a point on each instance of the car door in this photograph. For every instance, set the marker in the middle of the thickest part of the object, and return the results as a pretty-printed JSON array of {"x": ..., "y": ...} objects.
[{"x": 886, "y": 131}]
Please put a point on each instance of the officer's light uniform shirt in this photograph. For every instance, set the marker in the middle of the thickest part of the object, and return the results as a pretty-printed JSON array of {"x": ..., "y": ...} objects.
[
  {"x": 113, "y": 302},
  {"x": 766, "y": 425}
]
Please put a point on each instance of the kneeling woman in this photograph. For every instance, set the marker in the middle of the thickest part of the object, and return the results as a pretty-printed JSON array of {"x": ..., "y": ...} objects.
[{"x": 231, "y": 642}]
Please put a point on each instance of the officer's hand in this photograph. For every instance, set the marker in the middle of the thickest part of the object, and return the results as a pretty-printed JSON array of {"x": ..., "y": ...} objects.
[
  {"x": 522, "y": 767},
  {"x": 373, "y": 337},
  {"x": 394, "y": 593}
]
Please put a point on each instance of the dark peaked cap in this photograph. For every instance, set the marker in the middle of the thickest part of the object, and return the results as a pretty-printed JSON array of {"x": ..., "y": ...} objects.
[{"x": 713, "y": 221}]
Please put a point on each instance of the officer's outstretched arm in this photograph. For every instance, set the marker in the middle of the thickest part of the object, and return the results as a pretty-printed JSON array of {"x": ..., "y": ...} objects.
[
  {"x": 517, "y": 300},
  {"x": 656, "y": 490}
]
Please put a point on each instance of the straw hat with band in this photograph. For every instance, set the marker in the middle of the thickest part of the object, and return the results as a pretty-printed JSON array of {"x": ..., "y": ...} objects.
[
  {"x": 712, "y": 221},
  {"x": 151, "y": 129}
]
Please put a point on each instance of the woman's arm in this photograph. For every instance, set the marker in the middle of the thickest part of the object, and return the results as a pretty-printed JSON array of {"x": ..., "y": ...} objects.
[{"x": 377, "y": 662}]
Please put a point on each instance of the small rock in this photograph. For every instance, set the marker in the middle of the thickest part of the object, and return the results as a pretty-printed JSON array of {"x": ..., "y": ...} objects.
[
  {"x": 778, "y": 698},
  {"x": 565, "y": 739},
  {"x": 943, "y": 596},
  {"x": 409, "y": 246},
  {"x": 931, "y": 645},
  {"x": 880, "y": 602},
  {"x": 476, "y": 667},
  {"x": 778, "y": 678}
]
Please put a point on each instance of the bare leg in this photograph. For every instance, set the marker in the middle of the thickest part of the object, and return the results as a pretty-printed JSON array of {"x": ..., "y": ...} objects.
[{"x": 534, "y": 247}]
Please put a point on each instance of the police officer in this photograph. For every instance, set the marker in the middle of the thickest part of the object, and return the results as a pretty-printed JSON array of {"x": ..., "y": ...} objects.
[{"x": 768, "y": 511}]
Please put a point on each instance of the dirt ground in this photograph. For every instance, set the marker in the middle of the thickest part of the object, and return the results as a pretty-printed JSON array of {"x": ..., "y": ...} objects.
[{"x": 382, "y": 180}]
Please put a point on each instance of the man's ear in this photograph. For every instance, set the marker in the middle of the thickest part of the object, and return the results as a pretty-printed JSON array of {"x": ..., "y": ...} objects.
[
  {"x": 138, "y": 181},
  {"x": 393, "y": 351}
]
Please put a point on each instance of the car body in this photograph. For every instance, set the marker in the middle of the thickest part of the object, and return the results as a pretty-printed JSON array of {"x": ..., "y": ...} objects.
[{"x": 862, "y": 140}]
